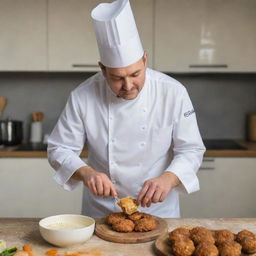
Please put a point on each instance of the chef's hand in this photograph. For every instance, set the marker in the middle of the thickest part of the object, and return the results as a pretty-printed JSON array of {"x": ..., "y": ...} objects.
[
  {"x": 155, "y": 190},
  {"x": 98, "y": 183}
]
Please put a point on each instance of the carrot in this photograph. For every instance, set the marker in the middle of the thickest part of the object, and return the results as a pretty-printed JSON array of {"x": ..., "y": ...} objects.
[
  {"x": 27, "y": 248},
  {"x": 52, "y": 252}
]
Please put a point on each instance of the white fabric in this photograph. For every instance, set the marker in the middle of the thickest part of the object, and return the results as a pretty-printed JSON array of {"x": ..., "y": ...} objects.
[
  {"x": 131, "y": 141},
  {"x": 117, "y": 35}
]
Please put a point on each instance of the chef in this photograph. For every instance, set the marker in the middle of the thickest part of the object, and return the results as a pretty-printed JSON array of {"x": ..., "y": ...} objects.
[{"x": 139, "y": 125}]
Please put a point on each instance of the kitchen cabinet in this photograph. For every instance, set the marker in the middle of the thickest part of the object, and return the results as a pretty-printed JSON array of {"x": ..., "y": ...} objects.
[
  {"x": 227, "y": 190},
  {"x": 28, "y": 190},
  {"x": 204, "y": 35},
  {"x": 23, "y": 35},
  {"x": 71, "y": 37}
]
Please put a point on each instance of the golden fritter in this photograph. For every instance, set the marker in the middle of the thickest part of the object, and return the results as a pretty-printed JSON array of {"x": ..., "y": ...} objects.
[
  {"x": 128, "y": 205},
  {"x": 135, "y": 216},
  {"x": 201, "y": 234},
  {"x": 124, "y": 225},
  {"x": 242, "y": 234},
  {"x": 206, "y": 249},
  {"x": 183, "y": 247},
  {"x": 230, "y": 248},
  {"x": 115, "y": 217},
  {"x": 223, "y": 235},
  {"x": 178, "y": 233},
  {"x": 145, "y": 224},
  {"x": 248, "y": 244}
]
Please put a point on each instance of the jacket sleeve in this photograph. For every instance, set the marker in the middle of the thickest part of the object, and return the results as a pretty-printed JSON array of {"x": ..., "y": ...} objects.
[
  {"x": 66, "y": 143},
  {"x": 188, "y": 147}
]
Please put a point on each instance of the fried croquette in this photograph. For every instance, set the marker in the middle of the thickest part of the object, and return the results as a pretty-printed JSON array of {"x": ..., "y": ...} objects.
[
  {"x": 145, "y": 224},
  {"x": 201, "y": 234},
  {"x": 206, "y": 249},
  {"x": 124, "y": 225},
  {"x": 178, "y": 233},
  {"x": 136, "y": 216},
  {"x": 128, "y": 205},
  {"x": 242, "y": 234},
  {"x": 230, "y": 248},
  {"x": 248, "y": 244},
  {"x": 183, "y": 247},
  {"x": 223, "y": 235},
  {"x": 115, "y": 217}
]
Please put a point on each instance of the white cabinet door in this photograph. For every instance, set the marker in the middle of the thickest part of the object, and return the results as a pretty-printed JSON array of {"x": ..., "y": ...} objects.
[
  {"x": 227, "y": 190},
  {"x": 28, "y": 190},
  {"x": 72, "y": 41},
  {"x": 205, "y": 35},
  {"x": 23, "y": 31}
]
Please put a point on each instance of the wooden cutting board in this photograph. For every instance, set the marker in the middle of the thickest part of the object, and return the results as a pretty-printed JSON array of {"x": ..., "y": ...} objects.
[
  {"x": 163, "y": 248},
  {"x": 105, "y": 232}
]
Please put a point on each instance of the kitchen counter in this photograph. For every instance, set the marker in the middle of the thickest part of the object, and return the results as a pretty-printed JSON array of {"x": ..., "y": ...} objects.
[
  {"x": 250, "y": 151},
  {"x": 17, "y": 232}
]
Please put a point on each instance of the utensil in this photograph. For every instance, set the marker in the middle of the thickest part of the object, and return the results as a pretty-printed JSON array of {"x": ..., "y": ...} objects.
[
  {"x": 3, "y": 102},
  {"x": 37, "y": 116},
  {"x": 11, "y": 132},
  {"x": 67, "y": 229}
]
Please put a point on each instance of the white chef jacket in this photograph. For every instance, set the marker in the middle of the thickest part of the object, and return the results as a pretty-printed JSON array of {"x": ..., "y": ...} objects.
[{"x": 130, "y": 141}]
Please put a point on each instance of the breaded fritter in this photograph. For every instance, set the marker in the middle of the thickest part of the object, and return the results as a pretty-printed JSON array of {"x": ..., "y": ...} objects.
[
  {"x": 206, "y": 249},
  {"x": 183, "y": 247},
  {"x": 178, "y": 233},
  {"x": 145, "y": 224},
  {"x": 124, "y": 225},
  {"x": 128, "y": 205},
  {"x": 201, "y": 234},
  {"x": 248, "y": 244},
  {"x": 223, "y": 235},
  {"x": 230, "y": 248},
  {"x": 242, "y": 234},
  {"x": 115, "y": 217}
]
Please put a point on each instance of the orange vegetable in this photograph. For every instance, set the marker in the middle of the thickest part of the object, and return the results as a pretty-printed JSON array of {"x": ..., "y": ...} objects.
[
  {"x": 52, "y": 252},
  {"x": 27, "y": 248}
]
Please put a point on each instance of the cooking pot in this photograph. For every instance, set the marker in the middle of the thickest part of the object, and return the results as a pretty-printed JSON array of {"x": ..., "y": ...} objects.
[{"x": 11, "y": 132}]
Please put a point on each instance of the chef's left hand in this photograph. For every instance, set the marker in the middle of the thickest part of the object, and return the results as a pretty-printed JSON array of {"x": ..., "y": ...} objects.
[{"x": 155, "y": 190}]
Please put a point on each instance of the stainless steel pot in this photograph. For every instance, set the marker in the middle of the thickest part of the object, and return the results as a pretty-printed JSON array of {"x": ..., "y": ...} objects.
[{"x": 11, "y": 132}]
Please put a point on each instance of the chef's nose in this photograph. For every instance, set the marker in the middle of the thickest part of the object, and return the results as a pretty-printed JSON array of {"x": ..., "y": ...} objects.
[{"x": 127, "y": 84}]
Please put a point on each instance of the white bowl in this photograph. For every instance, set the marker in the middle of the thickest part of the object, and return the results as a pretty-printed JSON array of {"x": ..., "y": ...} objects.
[{"x": 67, "y": 229}]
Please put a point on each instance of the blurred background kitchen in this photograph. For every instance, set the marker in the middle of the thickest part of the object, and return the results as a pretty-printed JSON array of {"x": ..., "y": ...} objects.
[{"x": 48, "y": 47}]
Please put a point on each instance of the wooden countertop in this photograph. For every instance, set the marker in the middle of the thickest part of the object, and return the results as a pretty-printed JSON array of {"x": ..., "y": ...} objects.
[
  {"x": 10, "y": 152},
  {"x": 17, "y": 232}
]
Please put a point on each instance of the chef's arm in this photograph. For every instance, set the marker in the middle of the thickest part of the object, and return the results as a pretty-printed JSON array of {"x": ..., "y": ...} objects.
[
  {"x": 188, "y": 148},
  {"x": 66, "y": 143}
]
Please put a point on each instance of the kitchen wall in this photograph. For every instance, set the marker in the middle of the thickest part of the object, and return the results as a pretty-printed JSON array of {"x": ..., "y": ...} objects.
[{"x": 220, "y": 100}]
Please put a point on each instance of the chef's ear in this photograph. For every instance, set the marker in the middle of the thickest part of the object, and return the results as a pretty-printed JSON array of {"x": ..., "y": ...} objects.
[
  {"x": 145, "y": 58},
  {"x": 103, "y": 68}
]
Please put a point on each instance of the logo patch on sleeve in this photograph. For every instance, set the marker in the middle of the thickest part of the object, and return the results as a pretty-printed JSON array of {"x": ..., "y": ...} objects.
[{"x": 188, "y": 113}]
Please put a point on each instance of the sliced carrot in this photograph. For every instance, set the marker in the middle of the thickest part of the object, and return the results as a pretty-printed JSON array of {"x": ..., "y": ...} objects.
[
  {"x": 52, "y": 252},
  {"x": 27, "y": 248}
]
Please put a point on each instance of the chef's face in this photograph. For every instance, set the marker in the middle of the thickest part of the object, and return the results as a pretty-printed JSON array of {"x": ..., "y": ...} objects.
[{"x": 126, "y": 82}]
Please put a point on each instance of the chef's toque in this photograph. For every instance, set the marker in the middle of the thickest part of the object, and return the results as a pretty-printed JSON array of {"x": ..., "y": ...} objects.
[{"x": 117, "y": 35}]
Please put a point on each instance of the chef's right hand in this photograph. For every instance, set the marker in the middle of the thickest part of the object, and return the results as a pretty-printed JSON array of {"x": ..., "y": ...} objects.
[{"x": 98, "y": 183}]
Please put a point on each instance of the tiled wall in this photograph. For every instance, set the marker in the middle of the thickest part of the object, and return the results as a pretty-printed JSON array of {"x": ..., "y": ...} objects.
[{"x": 221, "y": 101}]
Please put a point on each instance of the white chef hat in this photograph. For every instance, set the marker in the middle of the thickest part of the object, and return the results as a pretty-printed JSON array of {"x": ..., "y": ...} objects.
[{"x": 117, "y": 35}]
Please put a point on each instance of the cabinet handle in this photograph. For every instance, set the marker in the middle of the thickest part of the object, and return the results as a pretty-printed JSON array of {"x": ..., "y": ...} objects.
[
  {"x": 208, "y": 66},
  {"x": 85, "y": 65},
  {"x": 208, "y": 159},
  {"x": 206, "y": 168}
]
